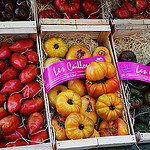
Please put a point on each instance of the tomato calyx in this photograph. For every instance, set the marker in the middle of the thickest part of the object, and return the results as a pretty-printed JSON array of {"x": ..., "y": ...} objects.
[
  {"x": 70, "y": 101},
  {"x": 101, "y": 52},
  {"x": 59, "y": 91},
  {"x": 56, "y": 46},
  {"x": 80, "y": 53},
  {"x": 102, "y": 81},
  {"x": 132, "y": 2},
  {"x": 81, "y": 126},
  {"x": 112, "y": 107},
  {"x": 60, "y": 122},
  {"x": 50, "y": 15},
  {"x": 69, "y": 1}
]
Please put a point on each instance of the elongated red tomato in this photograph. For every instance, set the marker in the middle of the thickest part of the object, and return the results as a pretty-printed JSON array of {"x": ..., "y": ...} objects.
[
  {"x": 2, "y": 99},
  {"x": 20, "y": 132},
  {"x": 29, "y": 73},
  {"x": 32, "y": 105},
  {"x": 14, "y": 102},
  {"x": 39, "y": 137},
  {"x": 18, "y": 60},
  {"x": 32, "y": 56},
  {"x": 11, "y": 86},
  {"x": 9, "y": 124},
  {"x": 22, "y": 45},
  {"x": 31, "y": 89},
  {"x": 5, "y": 53},
  {"x": 2, "y": 65},
  {"x": 17, "y": 143},
  {"x": 3, "y": 112},
  {"x": 35, "y": 121},
  {"x": 8, "y": 73}
]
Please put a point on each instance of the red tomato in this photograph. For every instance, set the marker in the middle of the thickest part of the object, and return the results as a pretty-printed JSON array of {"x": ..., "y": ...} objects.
[
  {"x": 89, "y": 7},
  {"x": 32, "y": 105},
  {"x": 67, "y": 6},
  {"x": 18, "y": 60},
  {"x": 129, "y": 7},
  {"x": 8, "y": 73},
  {"x": 22, "y": 45},
  {"x": 93, "y": 17},
  {"x": 3, "y": 144},
  {"x": 71, "y": 16},
  {"x": 48, "y": 13},
  {"x": 20, "y": 132},
  {"x": 14, "y": 102},
  {"x": 138, "y": 16},
  {"x": 148, "y": 6},
  {"x": 122, "y": 13},
  {"x": 45, "y": 1},
  {"x": 31, "y": 56},
  {"x": 9, "y": 124},
  {"x": 2, "y": 99},
  {"x": 2, "y": 65},
  {"x": 16, "y": 143},
  {"x": 31, "y": 89},
  {"x": 1, "y": 136},
  {"x": 39, "y": 137},
  {"x": 11, "y": 86},
  {"x": 29, "y": 73},
  {"x": 5, "y": 53},
  {"x": 140, "y": 5},
  {"x": 3, "y": 112},
  {"x": 5, "y": 44},
  {"x": 35, "y": 121}
]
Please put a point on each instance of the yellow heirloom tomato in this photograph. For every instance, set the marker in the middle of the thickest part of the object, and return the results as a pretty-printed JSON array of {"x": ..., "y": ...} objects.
[
  {"x": 68, "y": 102},
  {"x": 56, "y": 47},
  {"x": 78, "y": 126}
]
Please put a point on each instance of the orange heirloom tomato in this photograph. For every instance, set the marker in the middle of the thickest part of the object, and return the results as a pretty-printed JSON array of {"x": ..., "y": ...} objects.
[
  {"x": 103, "y": 86},
  {"x": 78, "y": 86},
  {"x": 56, "y": 47},
  {"x": 109, "y": 106},
  {"x": 98, "y": 70},
  {"x": 78, "y": 52},
  {"x": 78, "y": 126},
  {"x": 95, "y": 134},
  {"x": 101, "y": 50},
  {"x": 88, "y": 107},
  {"x": 113, "y": 128},
  {"x": 67, "y": 102},
  {"x": 58, "y": 123},
  {"x": 52, "y": 94}
]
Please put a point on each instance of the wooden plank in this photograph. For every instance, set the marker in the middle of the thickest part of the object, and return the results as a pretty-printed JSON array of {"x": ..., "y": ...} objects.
[
  {"x": 18, "y": 24},
  {"x": 45, "y": 21},
  {"x": 75, "y": 28},
  {"x": 130, "y": 21}
]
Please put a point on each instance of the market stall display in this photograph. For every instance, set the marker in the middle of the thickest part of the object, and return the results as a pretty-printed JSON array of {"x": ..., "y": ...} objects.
[
  {"x": 132, "y": 48},
  {"x": 67, "y": 104},
  {"x": 23, "y": 108}
]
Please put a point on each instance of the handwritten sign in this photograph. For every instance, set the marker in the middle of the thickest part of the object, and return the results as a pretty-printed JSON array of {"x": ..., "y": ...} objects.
[
  {"x": 136, "y": 71},
  {"x": 66, "y": 70}
]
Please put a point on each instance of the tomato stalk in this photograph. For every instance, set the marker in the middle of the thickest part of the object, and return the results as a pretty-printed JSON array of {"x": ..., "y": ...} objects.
[
  {"x": 102, "y": 81},
  {"x": 69, "y": 1},
  {"x": 81, "y": 126},
  {"x": 70, "y": 101}
]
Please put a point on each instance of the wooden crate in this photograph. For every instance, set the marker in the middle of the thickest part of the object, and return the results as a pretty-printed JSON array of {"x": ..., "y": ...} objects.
[
  {"x": 110, "y": 5},
  {"x": 30, "y": 23},
  {"x": 11, "y": 36},
  {"x": 134, "y": 39},
  {"x": 100, "y": 34},
  {"x": 44, "y": 21}
]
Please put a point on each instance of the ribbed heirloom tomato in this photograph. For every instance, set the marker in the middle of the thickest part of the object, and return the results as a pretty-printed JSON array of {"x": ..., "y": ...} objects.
[{"x": 67, "y": 6}]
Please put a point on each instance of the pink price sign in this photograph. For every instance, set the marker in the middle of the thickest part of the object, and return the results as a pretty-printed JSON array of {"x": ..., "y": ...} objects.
[
  {"x": 136, "y": 71},
  {"x": 68, "y": 69}
]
